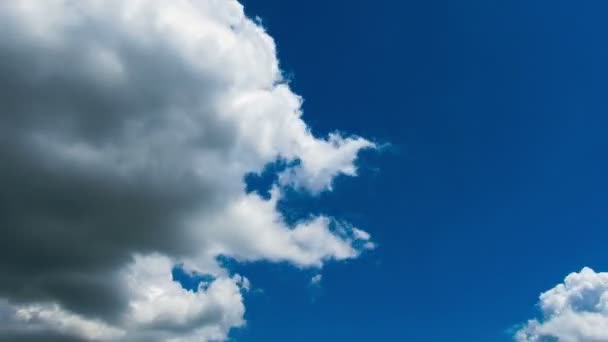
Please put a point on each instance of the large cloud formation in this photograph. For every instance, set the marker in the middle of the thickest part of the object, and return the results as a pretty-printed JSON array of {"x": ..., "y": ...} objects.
[
  {"x": 126, "y": 129},
  {"x": 574, "y": 311}
]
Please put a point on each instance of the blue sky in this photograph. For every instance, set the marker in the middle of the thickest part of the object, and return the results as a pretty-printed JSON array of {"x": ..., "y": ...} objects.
[{"x": 493, "y": 188}]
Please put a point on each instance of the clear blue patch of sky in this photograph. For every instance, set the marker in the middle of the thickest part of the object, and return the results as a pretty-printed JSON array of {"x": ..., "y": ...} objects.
[{"x": 188, "y": 280}]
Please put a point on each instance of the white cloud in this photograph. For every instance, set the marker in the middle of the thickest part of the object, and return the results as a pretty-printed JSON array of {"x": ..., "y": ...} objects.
[
  {"x": 321, "y": 162},
  {"x": 51, "y": 316},
  {"x": 574, "y": 311},
  {"x": 251, "y": 229},
  {"x": 316, "y": 279},
  {"x": 128, "y": 128}
]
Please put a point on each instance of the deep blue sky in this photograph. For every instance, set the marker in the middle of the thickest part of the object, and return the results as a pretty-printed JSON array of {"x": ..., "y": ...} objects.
[{"x": 494, "y": 187}]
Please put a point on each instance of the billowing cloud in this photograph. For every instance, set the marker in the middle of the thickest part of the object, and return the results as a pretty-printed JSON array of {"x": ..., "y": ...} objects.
[
  {"x": 574, "y": 311},
  {"x": 126, "y": 130}
]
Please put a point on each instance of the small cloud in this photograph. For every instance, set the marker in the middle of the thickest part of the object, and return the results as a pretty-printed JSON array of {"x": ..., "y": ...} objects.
[
  {"x": 575, "y": 310},
  {"x": 316, "y": 280},
  {"x": 361, "y": 234}
]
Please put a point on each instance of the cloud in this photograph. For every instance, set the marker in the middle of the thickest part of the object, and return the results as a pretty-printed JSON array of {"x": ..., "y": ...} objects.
[
  {"x": 316, "y": 280},
  {"x": 127, "y": 129},
  {"x": 576, "y": 310}
]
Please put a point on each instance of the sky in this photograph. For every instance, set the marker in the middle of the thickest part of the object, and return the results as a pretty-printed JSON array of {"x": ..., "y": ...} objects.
[{"x": 214, "y": 170}]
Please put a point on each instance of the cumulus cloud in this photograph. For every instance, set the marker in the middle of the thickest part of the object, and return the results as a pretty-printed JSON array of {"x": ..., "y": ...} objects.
[
  {"x": 574, "y": 311},
  {"x": 126, "y": 130}
]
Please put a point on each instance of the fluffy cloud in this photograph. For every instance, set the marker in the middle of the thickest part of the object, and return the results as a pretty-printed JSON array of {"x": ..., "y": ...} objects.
[
  {"x": 125, "y": 133},
  {"x": 574, "y": 311}
]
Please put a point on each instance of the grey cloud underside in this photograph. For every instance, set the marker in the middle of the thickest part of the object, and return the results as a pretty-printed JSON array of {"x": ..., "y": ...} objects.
[
  {"x": 66, "y": 228},
  {"x": 35, "y": 336}
]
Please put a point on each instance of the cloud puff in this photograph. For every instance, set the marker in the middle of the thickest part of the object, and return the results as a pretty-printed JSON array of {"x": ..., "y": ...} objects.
[
  {"x": 126, "y": 130},
  {"x": 574, "y": 311}
]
